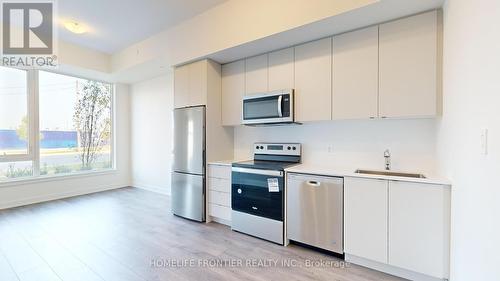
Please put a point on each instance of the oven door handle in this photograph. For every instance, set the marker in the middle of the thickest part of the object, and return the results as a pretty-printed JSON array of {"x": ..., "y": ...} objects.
[
  {"x": 280, "y": 106},
  {"x": 258, "y": 172}
]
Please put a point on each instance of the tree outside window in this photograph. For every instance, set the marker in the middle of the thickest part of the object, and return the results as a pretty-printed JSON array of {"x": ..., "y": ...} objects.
[{"x": 92, "y": 120}]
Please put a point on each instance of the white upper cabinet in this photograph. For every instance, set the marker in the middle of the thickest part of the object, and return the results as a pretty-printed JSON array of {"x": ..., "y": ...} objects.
[
  {"x": 365, "y": 218},
  {"x": 181, "y": 86},
  {"x": 409, "y": 66},
  {"x": 198, "y": 83},
  {"x": 190, "y": 84},
  {"x": 313, "y": 81},
  {"x": 233, "y": 90},
  {"x": 256, "y": 74},
  {"x": 419, "y": 222},
  {"x": 281, "y": 69},
  {"x": 390, "y": 70},
  {"x": 355, "y": 74}
]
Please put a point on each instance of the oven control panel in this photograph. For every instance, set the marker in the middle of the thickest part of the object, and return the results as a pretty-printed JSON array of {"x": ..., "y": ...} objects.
[{"x": 294, "y": 149}]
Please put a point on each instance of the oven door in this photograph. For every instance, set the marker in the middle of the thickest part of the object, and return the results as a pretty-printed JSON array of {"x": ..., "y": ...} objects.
[
  {"x": 258, "y": 192},
  {"x": 267, "y": 108}
]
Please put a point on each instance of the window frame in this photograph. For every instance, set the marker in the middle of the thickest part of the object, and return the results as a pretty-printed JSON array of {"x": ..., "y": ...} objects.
[{"x": 33, "y": 149}]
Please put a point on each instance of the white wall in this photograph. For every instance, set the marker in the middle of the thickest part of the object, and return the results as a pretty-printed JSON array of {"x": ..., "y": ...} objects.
[
  {"x": 18, "y": 194},
  {"x": 356, "y": 144},
  {"x": 74, "y": 55},
  {"x": 471, "y": 103},
  {"x": 152, "y": 138}
]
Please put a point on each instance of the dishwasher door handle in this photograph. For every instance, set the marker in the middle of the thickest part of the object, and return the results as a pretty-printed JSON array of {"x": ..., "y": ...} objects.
[{"x": 314, "y": 183}]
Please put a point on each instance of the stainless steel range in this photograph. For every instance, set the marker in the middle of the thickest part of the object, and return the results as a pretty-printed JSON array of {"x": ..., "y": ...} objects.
[{"x": 258, "y": 193}]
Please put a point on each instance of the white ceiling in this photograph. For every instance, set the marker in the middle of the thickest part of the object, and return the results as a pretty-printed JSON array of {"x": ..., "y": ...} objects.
[{"x": 116, "y": 24}]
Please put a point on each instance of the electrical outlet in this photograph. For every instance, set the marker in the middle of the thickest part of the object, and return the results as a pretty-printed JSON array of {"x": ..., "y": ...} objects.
[
  {"x": 330, "y": 148},
  {"x": 484, "y": 142}
]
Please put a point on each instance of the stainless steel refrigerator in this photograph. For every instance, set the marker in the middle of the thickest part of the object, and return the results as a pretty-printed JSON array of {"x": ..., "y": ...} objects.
[{"x": 188, "y": 178}]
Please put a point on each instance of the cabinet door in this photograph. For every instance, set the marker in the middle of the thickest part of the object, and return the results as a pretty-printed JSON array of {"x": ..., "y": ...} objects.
[
  {"x": 281, "y": 69},
  {"x": 181, "y": 86},
  {"x": 256, "y": 74},
  {"x": 197, "y": 83},
  {"x": 419, "y": 227},
  {"x": 355, "y": 74},
  {"x": 365, "y": 218},
  {"x": 313, "y": 81},
  {"x": 408, "y": 67},
  {"x": 233, "y": 89}
]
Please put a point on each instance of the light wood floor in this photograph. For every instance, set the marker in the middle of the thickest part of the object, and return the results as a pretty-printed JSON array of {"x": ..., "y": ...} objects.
[{"x": 116, "y": 235}]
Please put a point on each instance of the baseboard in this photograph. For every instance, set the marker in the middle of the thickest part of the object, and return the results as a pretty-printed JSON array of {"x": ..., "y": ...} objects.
[
  {"x": 393, "y": 270},
  {"x": 220, "y": 221},
  {"x": 51, "y": 197},
  {"x": 149, "y": 187}
]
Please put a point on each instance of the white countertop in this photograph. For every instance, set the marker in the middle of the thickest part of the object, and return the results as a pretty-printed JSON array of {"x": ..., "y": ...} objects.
[
  {"x": 222, "y": 162},
  {"x": 350, "y": 172}
]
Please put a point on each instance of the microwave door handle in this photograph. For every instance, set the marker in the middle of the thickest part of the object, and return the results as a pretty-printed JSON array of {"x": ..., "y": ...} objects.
[{"x": 280, "y": 106}]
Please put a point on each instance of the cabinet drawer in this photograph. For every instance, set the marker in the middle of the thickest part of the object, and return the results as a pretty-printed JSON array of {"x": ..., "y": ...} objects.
[
  {"x": 222, "y": 185},
  {"x": 218, "y": 211},
  {"x": 219, "y": 198},
  {"x": 220, "y": 172}
]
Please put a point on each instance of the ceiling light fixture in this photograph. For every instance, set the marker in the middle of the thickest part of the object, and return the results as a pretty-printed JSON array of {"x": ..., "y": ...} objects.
[{"x": 75, "y": 27}]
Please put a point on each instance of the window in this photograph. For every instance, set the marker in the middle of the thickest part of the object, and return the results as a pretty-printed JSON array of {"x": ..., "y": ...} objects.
[
  {"x": 15, "y": 155},
  {"x": 75, "y": 124},
  {"x": 13, "y": 112},
  {"x": 53, "y": 124}
]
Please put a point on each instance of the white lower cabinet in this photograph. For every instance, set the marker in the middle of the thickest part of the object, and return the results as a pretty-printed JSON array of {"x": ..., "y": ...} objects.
[
  {"x": 419, "y": 227},
  {"x": 219, "y": 193},
  {"x": 399, "y": 227},
  {"x": 365, "y": 218}
]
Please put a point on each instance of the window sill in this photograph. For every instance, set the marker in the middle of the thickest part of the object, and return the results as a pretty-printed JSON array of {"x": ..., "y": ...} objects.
[{"x": 39, "y": 179}]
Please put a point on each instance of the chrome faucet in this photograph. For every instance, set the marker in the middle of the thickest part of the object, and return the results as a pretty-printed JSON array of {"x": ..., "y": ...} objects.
[{"x": 387, "y": 156}]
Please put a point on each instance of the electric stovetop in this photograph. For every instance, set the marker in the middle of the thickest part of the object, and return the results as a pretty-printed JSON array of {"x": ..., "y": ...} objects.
[
  {"x": 273, "y": 156},
  {"x": 264, "y": 165}
]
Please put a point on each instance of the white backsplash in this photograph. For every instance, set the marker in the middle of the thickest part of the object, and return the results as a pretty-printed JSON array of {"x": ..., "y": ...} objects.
[{"x": 352, "y": 143}]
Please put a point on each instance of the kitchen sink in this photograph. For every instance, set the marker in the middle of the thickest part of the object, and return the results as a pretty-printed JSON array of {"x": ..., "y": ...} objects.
[{"x": 389, "y": 173}]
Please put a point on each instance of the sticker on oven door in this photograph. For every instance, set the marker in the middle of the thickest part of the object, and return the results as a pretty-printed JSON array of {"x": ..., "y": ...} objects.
[{"x": 273, "y": 185}]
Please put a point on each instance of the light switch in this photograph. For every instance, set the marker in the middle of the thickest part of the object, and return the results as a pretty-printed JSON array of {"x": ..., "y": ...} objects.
[{"x": 484, "y": 142}]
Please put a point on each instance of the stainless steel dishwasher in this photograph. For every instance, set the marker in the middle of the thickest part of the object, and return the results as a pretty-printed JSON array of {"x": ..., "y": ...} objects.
[{"x": 315, "y": 211}]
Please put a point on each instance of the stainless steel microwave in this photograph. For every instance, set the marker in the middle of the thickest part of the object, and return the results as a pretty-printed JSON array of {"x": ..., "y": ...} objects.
[{"x": 269, "y": 108}]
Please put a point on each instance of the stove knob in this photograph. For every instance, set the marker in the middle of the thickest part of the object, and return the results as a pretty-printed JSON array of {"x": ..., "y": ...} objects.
[
  {"x": 261, "y": 147},
  {"x": 289, "y": 148},
  {"x": 257, "y": 147},
  {"x": 294, "y": 148}
]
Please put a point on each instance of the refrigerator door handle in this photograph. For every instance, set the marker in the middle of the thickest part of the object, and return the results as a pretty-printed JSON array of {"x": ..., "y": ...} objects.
[{"x": 204, "y": 161}]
